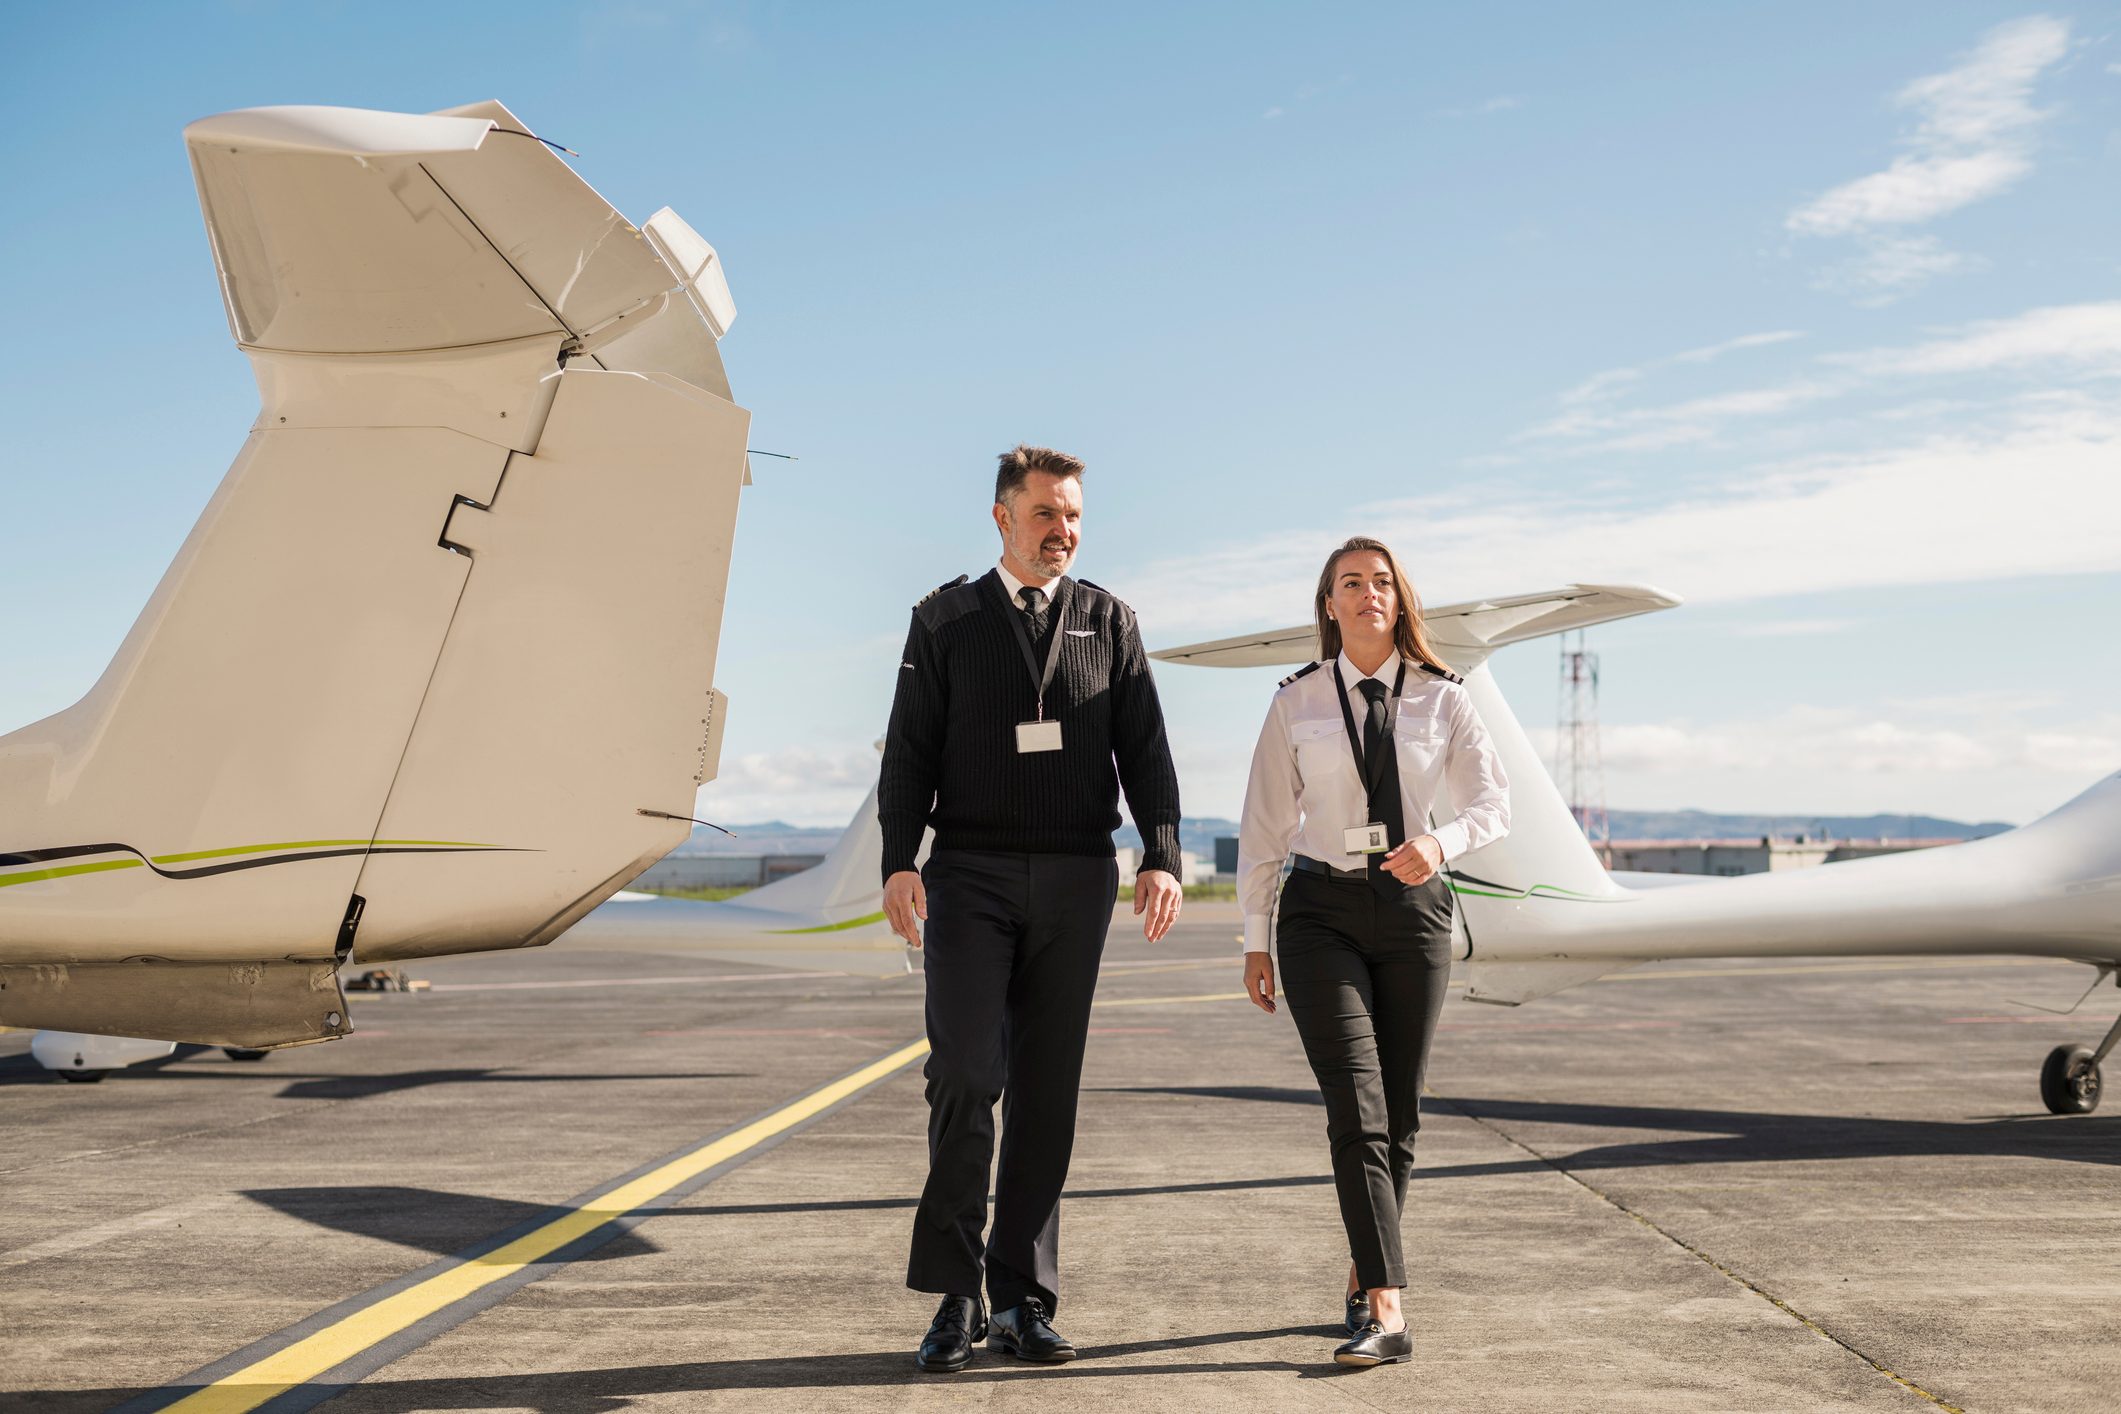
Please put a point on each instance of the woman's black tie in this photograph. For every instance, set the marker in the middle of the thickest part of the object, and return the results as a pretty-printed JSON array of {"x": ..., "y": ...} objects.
[{"x": 1382, "y": 780}]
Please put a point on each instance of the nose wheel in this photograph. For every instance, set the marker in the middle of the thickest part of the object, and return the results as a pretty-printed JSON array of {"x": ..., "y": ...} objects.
[{"x": 2069, "y": 1079}]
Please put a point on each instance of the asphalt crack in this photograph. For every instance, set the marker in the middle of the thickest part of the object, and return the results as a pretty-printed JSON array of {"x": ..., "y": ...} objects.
[{"x": 1695, "y": 1252}]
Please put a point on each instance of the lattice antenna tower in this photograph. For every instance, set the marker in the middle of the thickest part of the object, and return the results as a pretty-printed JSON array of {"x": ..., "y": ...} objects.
[{"x": 1579, "y": 767}]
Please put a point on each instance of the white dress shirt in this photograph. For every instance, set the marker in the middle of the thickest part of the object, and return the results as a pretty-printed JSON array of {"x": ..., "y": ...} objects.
[{"x": 1304, "y": 789}]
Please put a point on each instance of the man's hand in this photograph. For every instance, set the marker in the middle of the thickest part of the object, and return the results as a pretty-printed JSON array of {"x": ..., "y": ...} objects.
[
  {"x": 1157, "y": 894},
  {"x": 905, "y": 899},
  {"x": 1416, "y": 861},
  {"x": 1259, "y": 980}
]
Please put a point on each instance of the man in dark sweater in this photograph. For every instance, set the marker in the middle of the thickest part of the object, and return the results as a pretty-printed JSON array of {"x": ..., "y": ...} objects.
[{"x": 1024, "y": 705}]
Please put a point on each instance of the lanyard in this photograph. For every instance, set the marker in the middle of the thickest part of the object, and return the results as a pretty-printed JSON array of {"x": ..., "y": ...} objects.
[
  {"x": 1370, "y": 772},
  {"x": 1023, "y": 641}
]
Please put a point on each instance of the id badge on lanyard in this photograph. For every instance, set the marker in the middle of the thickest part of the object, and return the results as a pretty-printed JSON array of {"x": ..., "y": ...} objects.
[{"x": 1040, "y": 734}]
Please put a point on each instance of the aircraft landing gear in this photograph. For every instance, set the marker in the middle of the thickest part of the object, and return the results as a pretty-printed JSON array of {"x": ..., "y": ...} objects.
[
  {"x": 2069, "y": 1080},
  {"x": 244, "y": 1053}
]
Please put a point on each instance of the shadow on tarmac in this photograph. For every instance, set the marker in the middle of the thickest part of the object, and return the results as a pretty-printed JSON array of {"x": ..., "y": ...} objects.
[
  {"x": 855, "y": 1205},
  {"x": 426, "y": 1219},
  {"x": 1736, "y": 1136},
  {"x": 612, "y": 1389},
  {"x": 1746, "y": 1137},
  {"x": 22, "y": 1070}
]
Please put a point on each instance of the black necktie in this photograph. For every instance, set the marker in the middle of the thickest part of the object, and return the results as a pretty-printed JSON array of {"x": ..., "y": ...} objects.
[
  {"x": 1382, "y": 780},
  {"x": 1034, "y": 602}
]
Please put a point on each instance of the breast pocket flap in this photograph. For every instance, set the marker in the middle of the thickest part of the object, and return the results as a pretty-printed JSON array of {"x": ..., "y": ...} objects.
[{"x": 1301, "y": 732}]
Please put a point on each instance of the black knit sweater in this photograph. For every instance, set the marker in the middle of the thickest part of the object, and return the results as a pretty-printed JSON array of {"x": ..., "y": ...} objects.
[{"x": 950, "y": 757}]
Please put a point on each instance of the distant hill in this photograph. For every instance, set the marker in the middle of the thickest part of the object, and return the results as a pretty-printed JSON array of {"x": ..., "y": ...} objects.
[
  {"x": 1700, "y": 824},
  {"x": 1199, "y": 833}
]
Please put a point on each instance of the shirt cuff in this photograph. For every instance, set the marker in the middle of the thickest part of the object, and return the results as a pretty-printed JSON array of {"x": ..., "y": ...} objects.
[
  {"x": 1259, "y": 933},
  {"x": 1452, "y": 839}
]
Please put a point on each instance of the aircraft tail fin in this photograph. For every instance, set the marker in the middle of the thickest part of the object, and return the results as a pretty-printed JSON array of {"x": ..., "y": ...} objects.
[{"x": 843, "y": 888}]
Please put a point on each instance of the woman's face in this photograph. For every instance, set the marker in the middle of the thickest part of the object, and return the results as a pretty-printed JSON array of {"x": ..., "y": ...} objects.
[{"x": 1365, "y": 601}]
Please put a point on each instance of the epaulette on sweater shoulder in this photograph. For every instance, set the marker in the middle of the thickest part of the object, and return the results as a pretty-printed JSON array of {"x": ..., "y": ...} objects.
[
  {"x": 1434, "y": 671},
  {"x": 1100, "y": 589},
  {"x": 1304, "y": 671},
  {"x": 946, "y": 601}
]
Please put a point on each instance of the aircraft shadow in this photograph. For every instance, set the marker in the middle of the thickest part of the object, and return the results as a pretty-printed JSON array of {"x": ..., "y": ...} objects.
[
  {"x": 362, "y": 1087},
  {"x": 1737, "y": 1136},
  {"x": 427, "y": 1219},
  {"x": 23, "y": 1070},
  {"x": 1073, "y": 1195},
  {"x": 607, "y": 1390}
]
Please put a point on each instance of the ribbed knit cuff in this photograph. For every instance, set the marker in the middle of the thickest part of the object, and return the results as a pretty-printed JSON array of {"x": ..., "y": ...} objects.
[
  {"x": 902, "y": 844},
  {"x": 1160, "y": 848}
]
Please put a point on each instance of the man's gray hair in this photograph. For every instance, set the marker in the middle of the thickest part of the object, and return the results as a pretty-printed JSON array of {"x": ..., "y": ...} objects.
[{"x": 1022, "y": 459}]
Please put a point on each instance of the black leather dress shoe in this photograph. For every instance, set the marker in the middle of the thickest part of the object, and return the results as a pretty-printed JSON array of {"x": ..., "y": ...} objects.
[
  {"x": 959, "y": 1321},
  {"x": 1022, "y": 1331},
  {"x": 1358, "y": 1312},
  {"x": 1376, "y": 1346}
]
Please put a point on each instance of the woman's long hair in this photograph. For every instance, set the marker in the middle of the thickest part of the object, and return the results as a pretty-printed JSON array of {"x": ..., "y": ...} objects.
[{"x": 1408, "y": 635}]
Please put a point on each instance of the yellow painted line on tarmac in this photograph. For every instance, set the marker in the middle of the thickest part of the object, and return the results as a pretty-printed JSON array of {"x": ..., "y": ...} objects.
[{"x": 339, "y": 1342}]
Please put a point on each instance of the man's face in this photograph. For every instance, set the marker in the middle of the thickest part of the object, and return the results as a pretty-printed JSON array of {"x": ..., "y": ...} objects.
[{"x": 1042, "y": 524}]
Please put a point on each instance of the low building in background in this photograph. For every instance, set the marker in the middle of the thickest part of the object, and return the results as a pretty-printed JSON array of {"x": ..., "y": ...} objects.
[
  {"x": 722, "y": 871},
  {"x": 1758, "y": 856}
]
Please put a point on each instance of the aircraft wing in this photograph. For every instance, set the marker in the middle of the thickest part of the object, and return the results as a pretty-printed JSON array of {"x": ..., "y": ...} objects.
[{"x": 1465, "y": 633}]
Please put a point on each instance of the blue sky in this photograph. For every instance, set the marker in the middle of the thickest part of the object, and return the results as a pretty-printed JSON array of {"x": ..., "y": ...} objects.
[{"x": 1808, "y": 313}]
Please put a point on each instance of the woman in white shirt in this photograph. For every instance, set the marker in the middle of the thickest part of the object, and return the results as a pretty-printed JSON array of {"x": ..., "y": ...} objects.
[{"x": 1362, "y": 755}]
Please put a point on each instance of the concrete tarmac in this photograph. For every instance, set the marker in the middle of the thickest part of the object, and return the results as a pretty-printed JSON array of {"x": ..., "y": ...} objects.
[{"x": 1810, "y": 1184}]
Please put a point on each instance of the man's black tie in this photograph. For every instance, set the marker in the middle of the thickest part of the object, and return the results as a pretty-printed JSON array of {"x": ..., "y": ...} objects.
[
  {"x": 1381, "y": 776},
  {"x": 1034, "y": 602}
]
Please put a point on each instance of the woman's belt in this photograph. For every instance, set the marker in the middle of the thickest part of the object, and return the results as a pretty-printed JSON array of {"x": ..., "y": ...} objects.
[{"x": 1318, "y": 866}]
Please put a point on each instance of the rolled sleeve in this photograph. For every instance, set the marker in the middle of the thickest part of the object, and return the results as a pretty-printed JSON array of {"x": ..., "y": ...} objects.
[
  {"x": 1271, "y": 815},
  {"x": 1479, "y": 787}
]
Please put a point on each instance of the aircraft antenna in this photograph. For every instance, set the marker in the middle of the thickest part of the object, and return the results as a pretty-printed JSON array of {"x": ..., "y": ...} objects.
[{"x": 1579, "y": 765}]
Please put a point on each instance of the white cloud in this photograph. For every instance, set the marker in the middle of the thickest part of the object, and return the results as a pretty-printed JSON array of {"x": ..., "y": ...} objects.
[
  {"x": 1500, "y": 103},
  {"x": 799, "y": 785},
  {"x": 1972, "y": 140},
  {"x": 1797, "y": 628},
  {"x": 1812, "y": 744},
  {"x": 1601, "y": 386},
  {"x": 2081, "y": 340},
  {"x": 2036, "y": 495},
  {"x": 1272, "y": 113},
  {"x": 2070, "y": 335},
  {"x": 1892, "y": 266}
]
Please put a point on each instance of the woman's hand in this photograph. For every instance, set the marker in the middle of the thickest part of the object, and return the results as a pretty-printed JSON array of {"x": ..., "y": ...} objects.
[
  {"x": 1416, "y": 861},
  {"x": 1259, "y": 979}
]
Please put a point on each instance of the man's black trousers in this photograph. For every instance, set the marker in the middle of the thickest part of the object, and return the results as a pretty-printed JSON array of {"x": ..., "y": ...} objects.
[
  {"x": 1010, "y": 951},
  {"x": 1364, "y": 971}
]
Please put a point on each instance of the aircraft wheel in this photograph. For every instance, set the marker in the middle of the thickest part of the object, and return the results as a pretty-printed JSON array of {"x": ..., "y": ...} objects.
[
  {"x": 243, "y": 1053},
  {"x": 81, "y": 1077},
  {"x": 2069, "y": 1081}
]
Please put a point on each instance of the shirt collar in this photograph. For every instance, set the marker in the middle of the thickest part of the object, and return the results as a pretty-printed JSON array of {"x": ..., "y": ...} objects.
[
  {"x": 1350, "y": 674},
  {"x": 1011, "y": 585}
]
